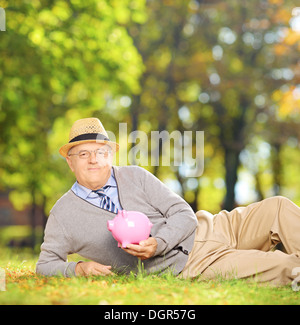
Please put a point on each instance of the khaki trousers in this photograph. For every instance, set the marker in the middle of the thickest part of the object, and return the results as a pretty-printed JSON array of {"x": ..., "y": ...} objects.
[{"x": 238, "y": 244}]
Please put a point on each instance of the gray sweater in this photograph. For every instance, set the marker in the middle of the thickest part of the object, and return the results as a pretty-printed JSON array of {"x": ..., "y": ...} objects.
[{"x": 77, "y": 226}]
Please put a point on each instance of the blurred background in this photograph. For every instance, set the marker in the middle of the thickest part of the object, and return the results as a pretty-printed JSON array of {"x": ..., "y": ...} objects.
[{"x": 228, "y": 68}]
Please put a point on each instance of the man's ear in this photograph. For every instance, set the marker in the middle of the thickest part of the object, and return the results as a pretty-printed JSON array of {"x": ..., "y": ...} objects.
[{"x": 69, "y": 161}]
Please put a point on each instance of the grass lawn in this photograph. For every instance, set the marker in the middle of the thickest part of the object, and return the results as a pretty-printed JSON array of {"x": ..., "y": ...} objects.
[{"x": 24, "y": 287}]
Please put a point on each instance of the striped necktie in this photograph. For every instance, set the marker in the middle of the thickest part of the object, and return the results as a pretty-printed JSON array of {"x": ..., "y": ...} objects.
[{"x": 105, "y": 201}]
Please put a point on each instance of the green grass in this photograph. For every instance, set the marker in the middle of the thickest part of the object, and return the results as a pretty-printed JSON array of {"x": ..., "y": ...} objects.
[{"x": 23, "y": 286}]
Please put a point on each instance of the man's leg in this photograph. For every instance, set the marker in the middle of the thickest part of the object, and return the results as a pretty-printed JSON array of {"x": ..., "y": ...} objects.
[
  {"x": 274, "y": 267},
  {"x": 262, "y": 225},
  {"x": 249, "y": 235}
]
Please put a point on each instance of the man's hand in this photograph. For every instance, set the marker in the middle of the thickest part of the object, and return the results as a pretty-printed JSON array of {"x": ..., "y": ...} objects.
[
  {"x": 144, "y": 250},
  {"x": 92, "y": 268}
]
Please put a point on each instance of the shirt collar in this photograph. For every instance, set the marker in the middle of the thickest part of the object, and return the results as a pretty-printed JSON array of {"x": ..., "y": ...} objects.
[{"x": 85, "y": 192}]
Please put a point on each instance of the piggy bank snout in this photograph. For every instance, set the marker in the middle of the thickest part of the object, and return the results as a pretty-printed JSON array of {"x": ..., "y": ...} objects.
[{"x": 110, "y": 225}]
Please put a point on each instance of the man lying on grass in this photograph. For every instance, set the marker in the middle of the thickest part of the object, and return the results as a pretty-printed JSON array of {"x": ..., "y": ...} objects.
[{"x": 231, "y": 244}]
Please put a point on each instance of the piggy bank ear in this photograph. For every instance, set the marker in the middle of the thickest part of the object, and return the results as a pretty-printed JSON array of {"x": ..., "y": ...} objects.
[{"x": 121, "y": 213}]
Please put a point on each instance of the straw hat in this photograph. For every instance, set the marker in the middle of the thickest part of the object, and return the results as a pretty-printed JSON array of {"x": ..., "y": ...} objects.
[{"x": 87, "y": 130}]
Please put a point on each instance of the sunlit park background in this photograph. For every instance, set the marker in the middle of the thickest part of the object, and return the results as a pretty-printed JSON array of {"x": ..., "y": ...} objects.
[{"x": 228, "y": 68}]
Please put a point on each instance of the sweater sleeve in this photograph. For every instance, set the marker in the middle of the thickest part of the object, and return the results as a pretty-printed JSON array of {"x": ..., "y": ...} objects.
[
  {"x": 180, "y": 221},
  {"x": 54, "y": 251}
]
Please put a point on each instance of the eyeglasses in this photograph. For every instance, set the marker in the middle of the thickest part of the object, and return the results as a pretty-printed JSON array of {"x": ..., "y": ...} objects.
[{"x": 85, "y": 154}]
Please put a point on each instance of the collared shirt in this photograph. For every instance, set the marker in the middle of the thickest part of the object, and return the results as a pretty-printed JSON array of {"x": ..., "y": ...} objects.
[{"x": 92, "y": 197}]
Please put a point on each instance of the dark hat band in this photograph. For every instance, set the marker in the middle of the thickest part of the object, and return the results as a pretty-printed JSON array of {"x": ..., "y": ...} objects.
[{"x": 89, "y": 136}]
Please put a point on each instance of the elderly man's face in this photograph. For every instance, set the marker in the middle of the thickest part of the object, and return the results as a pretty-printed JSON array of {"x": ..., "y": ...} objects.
[{"x": 91, "y": 164}]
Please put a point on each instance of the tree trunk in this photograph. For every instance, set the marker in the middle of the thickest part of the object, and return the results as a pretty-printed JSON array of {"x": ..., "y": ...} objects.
[
  {"x": 232, "y": 163},
  {"x": 277, "y": 168},
  {"x": 33, "y": 220}
]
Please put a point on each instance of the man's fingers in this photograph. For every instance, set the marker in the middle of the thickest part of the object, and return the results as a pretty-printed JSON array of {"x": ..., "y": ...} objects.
[
  {"x": 132, "y": 249},
  {"x": 135, "y": 250},
  {"x": 104, "y": 270},
  {"x": 92, "y": 268},
  {"x": 144, "y": 250}
]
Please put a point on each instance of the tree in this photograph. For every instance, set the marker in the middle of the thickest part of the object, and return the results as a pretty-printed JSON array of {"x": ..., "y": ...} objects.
[
  {"x": 59, "y": 59},
  {"x": 215, "y": 61}
]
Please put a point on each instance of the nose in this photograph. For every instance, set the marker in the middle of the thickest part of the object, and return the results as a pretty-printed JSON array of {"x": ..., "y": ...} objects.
[{"x": 92, "y": 158}]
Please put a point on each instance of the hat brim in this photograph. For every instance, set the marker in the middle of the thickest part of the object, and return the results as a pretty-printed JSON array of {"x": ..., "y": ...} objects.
[{"x": 65, "y": 149}]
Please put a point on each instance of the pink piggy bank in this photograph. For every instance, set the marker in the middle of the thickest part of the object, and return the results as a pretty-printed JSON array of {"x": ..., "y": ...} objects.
[{"x": 129, "y": 227}]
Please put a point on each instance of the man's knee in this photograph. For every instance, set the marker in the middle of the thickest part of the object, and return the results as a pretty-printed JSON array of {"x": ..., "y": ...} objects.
[
  {"x": 277, "y": 199},
  {"x": 204, "y": 214},
  {"x": 276, "y": 204}
]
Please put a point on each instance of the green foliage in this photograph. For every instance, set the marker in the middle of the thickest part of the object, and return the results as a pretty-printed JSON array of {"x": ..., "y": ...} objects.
[
  {"x": 59, "y": 60},
  {"x": 222, "y": 64},
  {"x": 228, "y": 68}
]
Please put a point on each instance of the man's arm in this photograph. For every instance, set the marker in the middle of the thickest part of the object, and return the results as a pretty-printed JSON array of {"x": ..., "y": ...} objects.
[
  {"x": 179, "y": 221},
  {"x": 54, "y": 251}
]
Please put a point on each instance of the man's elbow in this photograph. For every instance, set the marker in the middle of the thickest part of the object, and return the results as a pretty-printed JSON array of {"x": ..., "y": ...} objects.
[
  {"x": 45, "y": 269},
  {"x": 40, "y": 269}
]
